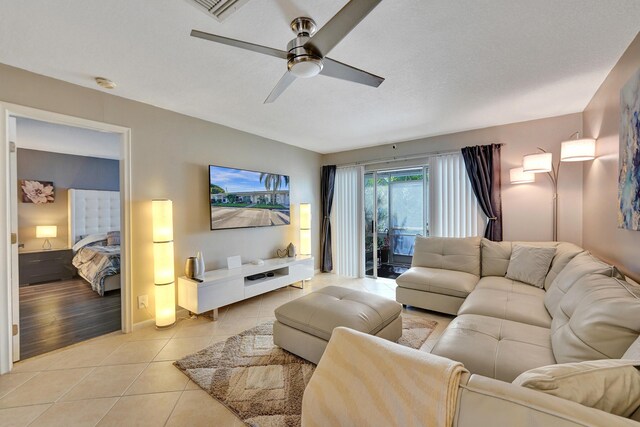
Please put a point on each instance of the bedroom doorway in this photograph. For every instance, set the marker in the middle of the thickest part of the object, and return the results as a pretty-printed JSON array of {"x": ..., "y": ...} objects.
[
  {"x": 68, "y": 234},
  {"x": 10, "y": 336}
]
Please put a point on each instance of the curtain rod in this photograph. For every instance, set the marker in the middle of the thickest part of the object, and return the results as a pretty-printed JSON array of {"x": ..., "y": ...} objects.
[
  {"x": 398, "y": 159},
  {"x": 409, "y": 157}
]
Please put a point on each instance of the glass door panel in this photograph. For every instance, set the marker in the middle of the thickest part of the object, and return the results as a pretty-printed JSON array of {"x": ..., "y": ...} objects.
[
  {"x": 406, "y": 213},
  {"x": 370, "y": 247}
]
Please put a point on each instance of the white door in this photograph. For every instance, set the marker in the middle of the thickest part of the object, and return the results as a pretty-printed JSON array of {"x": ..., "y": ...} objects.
[{"x": 15, "y": 290}]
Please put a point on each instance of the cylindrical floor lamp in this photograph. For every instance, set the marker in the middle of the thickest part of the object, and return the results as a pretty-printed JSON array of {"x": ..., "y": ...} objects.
[{"x": 163, "y": 260}]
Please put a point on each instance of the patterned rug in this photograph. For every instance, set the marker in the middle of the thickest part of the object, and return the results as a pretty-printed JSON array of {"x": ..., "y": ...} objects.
[{"x": 261, "y": 383}]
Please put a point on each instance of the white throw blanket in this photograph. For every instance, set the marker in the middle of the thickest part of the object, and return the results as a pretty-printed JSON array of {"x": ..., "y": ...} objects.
[{"x": 363, "y": 380}]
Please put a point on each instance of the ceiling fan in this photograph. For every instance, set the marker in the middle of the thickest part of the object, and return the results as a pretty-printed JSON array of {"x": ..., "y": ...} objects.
[{"x": 306, "y": 54}]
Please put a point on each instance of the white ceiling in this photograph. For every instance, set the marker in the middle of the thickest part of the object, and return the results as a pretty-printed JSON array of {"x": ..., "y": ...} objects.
[{"x": 450, "y": 65}]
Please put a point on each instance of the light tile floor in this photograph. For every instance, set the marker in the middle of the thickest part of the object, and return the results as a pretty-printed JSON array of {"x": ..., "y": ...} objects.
[{"x": 125, "y": 380}]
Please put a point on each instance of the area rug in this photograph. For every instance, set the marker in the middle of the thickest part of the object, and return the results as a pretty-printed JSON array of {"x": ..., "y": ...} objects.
[{"x": 261, "y": 383}]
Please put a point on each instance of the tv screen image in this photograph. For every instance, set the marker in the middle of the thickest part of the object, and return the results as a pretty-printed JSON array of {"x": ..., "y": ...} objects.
[{"x": 242, "y": 198}]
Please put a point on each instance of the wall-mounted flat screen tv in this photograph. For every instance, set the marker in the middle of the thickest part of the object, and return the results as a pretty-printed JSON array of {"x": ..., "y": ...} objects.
[{"x": 242, "y": 198}]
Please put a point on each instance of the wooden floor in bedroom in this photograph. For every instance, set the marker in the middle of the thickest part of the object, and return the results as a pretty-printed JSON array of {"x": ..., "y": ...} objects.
[{"x": 57, "y": 314}]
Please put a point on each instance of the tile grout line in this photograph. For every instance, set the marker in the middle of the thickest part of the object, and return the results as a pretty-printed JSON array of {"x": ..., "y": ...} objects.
[
  {"x": 74, "y": 385},
  {"x": 174, "y": 407},
  {"x": 124, "y": 393},
  {"x": 108, "y": 410}
]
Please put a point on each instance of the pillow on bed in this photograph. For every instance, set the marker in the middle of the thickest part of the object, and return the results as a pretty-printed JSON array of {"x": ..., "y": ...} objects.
[
  {"x": 90, "y": 239},
  {"x": 113, "y": 238}
]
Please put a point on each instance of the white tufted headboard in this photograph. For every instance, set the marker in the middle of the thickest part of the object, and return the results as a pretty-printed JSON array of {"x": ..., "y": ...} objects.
[{"x": 91, "y": 212}]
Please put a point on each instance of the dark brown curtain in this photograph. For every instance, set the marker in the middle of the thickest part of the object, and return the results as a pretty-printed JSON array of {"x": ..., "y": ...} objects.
[
  {"x": 327, "y": 186},
  {"x": 483, "y": 168}
]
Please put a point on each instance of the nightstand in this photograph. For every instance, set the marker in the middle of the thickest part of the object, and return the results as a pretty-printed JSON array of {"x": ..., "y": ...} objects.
[{"x": 45, "y": 266}]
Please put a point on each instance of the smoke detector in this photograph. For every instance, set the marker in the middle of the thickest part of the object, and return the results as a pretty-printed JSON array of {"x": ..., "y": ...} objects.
[
  {"x": 105, "y": 83},
  {"x": 219, "y": 9}
]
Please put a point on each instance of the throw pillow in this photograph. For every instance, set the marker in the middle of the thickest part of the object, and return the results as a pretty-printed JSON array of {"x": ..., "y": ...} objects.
[
  {"x": 113, "y": 238},
  {"x": 610, "y": 385},
  {"x": 530, "y": 264}
]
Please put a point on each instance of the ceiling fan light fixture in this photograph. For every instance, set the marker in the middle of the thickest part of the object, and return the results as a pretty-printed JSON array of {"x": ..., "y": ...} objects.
[{"x": 305, "y": 66}]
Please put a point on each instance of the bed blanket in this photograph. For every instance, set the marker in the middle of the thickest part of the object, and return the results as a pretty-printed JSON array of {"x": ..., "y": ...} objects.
[{"x": 95, "y": 263}]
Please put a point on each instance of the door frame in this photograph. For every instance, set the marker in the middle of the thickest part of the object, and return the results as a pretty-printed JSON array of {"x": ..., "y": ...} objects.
[
  {"x": 6, "y": 287},
  {"x": 425, "y": 205}
]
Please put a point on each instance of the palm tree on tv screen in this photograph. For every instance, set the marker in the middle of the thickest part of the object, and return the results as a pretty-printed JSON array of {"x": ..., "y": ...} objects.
[{"x": 272, "y": 182}]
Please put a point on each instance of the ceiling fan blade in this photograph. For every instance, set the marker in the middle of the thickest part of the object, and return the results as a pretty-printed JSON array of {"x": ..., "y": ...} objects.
[
  {"x": 283, "y": 83},
  {"x": 340, "y": 25},
  {"x": 242, "y": 45},
  {"x": 338, "y": 70}
]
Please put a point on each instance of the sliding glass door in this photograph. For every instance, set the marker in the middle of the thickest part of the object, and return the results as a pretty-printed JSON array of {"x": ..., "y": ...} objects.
[{"x": 395, "y": 212}]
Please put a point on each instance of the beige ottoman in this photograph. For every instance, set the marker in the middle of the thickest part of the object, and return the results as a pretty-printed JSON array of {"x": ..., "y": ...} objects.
[{"x": 304, "y": 325}]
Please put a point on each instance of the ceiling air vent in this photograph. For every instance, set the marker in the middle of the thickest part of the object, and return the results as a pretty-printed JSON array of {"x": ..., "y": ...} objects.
[{"x": 220, "y": 9}]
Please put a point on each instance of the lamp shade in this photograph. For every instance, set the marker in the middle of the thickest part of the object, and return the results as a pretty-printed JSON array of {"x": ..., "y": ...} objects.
[
  {"x": 305, "y": 216},
  {"x": 537, "y": 163},
  {"x": 162, "y": 211},
  {"x": 578, "y": 150},
  {"x": 163, "y": 263},
  {"x": 519, "y": 176},
  {"x": 165, "y": 305},
  {"x": 46, "y": 231},
  {"x": 305, "y": 228}
]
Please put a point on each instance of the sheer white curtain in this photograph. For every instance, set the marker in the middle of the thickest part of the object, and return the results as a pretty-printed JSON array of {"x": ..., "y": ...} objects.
[
  {"x": 453, "y": 208},
  {"x": 347, "y": 222}
]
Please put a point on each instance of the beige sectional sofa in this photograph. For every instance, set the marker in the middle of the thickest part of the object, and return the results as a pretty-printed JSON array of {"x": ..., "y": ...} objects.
[
  {"x": 585, "y": 311},
  {"x": 388, "y": 389}
]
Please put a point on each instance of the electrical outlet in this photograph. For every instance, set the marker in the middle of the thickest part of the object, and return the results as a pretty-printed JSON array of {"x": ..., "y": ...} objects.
[{"x": 143, "y": 301}]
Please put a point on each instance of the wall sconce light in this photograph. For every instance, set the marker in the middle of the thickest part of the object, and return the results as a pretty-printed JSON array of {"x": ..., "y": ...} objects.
[
  {"x": 45, "y": 232},
  {"x": 572, "y": 150},
  {"x": 163, "y": 261},
  {"x": 519, "y": 176},
  {"x": 305, "y": 228}
]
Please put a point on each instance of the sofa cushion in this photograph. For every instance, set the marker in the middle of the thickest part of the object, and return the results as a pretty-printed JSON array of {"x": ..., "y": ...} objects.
[
  {"x": 565, "y": 252},
  {"x": 502, "y": 283},
  {"x": 610, "y": 385},
  {"x": 506, "y": 302},
  {"x": 439, "y": 281},
  {"x": 530, "y": 264},
  {"x": 581, "y": 265},
  {"x": 319, "y": 312},
  {"x": 597, "y": 319},
  {"x": 495, "y": 348},
  {"x": 458, "y": 254},
  {"x": 496, "y": 255},
  {"x": 633, "y": 352}
]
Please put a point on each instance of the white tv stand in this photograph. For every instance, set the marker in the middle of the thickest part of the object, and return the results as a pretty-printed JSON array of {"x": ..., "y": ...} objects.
[{"x": 223, "y": 287}]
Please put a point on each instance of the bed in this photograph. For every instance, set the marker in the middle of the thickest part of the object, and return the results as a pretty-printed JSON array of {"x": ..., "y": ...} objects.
[{"x": 94, "y": 218}]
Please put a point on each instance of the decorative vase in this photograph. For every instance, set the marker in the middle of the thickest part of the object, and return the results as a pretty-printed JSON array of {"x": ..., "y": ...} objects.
[
  {"x": 190, "y": 267},
  {"x": 199, "y": 273},
  {"x": 291, "y": 250}
]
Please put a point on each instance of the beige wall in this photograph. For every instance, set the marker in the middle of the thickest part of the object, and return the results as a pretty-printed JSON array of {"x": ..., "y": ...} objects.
[
  {"x": 601, "y": 234},
  {"x": 170, "y": 155},
  {"x": 527, "y": 208}
]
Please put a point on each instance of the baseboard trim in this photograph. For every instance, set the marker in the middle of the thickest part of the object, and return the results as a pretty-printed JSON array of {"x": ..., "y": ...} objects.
[
  {"x": 181, "y": 313},
  {"x": 143, "y": 324}
]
